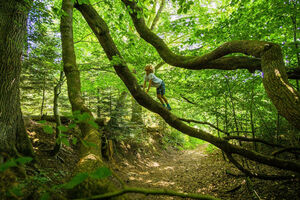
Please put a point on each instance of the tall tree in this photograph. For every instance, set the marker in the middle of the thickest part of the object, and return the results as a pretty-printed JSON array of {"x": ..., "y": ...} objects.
[
  {"x": 90, "y": 155},
  {"x": 13, "y": 19}
]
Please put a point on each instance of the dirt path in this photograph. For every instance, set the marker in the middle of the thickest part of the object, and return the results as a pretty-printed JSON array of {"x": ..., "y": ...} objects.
[
  {"x": 195, "y": 171},
  {"x": 186, "y": 171}
]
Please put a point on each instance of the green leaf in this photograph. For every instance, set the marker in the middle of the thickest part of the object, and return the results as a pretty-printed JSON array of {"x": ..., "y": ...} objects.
[
  {"x": 72, "y": 126},
  {"x": 62, "y": 128},
  {"x": 65, "y": 141},
  {"x": 48, "y": 129},
  {"x": 88, "y": 144},
  {"x": 17, "y": 191},
  {"x": 42, "y": 121},
  {"x": 93, "y": 123},
  {"x": 83, "y": 117},
  {"x": 74, "y": 140},
  {"x": 23, "y": 160},
  {"x": 8, "y": 164},
  {"x": 101, "y": 172},
  {"x": 76, "y": 180},
  {"x": 45, "y": 196}
]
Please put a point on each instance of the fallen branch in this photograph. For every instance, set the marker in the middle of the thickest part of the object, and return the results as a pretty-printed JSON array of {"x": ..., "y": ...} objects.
[
  {"x": 288, "y": 149},
  {"x": 236, "y": 188},
  {"x": 189, "y": 101},
  {"x": 256, "y": 175},
  {"x": 207, "y": 123},
  {"x": 245, "y": 139},
  {"x": 150, "y": 192},
  {"x": 250, "y": 187}
]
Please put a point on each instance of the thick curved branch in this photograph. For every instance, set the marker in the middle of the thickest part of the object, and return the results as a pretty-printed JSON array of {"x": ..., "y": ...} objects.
[
  {"x": 246, "y": 47},
  {"x": 285, "y": 98},
  {"x": 101, "y": 31}
]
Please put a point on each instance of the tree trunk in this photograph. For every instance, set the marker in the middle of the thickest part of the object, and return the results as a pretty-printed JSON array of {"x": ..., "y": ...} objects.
[
  {"x": 90, "y": 155},
  {"x": 43, "y": 96},
  {"x": 136, "y": 113},
  {"x": 13, "y": 18},
  {"x": 117, "y": 112},
  {"x": 57, "y": 90},
  {"x": 98, "y": 103}
]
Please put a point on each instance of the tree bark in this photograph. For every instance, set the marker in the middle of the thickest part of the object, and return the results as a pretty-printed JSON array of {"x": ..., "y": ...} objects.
[
  {"x": 90, "y": 155},
  {"x": 57, "y": 90},
  {"x": 117, "y": 112},
  {"x": 101, "y": 31},
  {"x": 13, "y": 19},
  {"x": 157, "y": 16}
]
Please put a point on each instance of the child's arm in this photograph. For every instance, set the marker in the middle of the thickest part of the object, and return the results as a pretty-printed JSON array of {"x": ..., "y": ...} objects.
[
  {"x": 144, "y": 86},
  {"x": 150, "y": 82}
]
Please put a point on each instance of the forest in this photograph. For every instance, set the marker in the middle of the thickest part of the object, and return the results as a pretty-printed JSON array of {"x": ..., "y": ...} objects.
[{"x": 80, "y": 117}]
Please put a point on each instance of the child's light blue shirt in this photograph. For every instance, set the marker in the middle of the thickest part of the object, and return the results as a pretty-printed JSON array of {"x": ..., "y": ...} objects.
[{"x": 156, "y": 82}]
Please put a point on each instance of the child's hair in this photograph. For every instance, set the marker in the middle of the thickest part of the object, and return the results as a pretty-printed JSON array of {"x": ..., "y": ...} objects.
[{"x": 149, "y": 68}]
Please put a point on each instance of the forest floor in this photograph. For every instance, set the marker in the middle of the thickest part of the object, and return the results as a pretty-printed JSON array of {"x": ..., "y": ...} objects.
[
  {"x": 157, "y": 166},
  {"x": 197, "y": 171}
]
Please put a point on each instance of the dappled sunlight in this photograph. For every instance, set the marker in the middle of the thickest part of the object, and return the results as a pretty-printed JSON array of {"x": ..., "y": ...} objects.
[
  {"x": 153, "y": 164},
  {"x": 169, "y": 168},
  {"x": 164, "y": 183},
  {"x": 289, "y": 87}
]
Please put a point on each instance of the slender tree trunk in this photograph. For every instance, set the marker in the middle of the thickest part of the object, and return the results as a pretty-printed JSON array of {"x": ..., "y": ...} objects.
[
  {"x": 233, "y": 110},
  {"x": 98, "y": 103},
  {"x": 217, "y": 119},
  {"x": 295, "y": 29},
  {"x": 13, "y": 18},
  {"x": 57, "y": 90},
  {"x": 43, "y": 96},
  {"x": 157, "y": 16},
  {"x": 136, "y": 108},
  {"x": 137, "y": 112},
  {"x": 117, "y": 112},
  {"x": 251, "y": 116}
]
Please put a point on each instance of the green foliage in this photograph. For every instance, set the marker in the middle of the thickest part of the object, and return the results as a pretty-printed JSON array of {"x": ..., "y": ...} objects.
[
  {"x": 48, "y": 129},
  {"x": 14, "y": 162},
  {"x": 181, "y": 141},
  {"x": 99, "y": 173},
  {"x": 76, "y": 180},
  {"x": 210, "y": 148}
]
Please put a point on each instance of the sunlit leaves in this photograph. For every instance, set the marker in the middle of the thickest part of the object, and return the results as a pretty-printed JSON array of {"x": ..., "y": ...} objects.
[{"x": 48, "y": 129}]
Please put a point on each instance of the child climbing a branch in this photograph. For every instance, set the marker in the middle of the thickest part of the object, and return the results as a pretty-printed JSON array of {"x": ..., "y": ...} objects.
[{"x": 158, "y": 83}]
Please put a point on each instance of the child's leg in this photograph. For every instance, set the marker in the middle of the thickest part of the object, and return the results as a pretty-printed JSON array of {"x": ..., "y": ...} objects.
[
  {"x": 160, "y": 99},
  {"x": 164, "y": 98}
]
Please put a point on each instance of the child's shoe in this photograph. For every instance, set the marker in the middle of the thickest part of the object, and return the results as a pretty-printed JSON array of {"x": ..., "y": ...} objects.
[{"x": 169, "y": 107}]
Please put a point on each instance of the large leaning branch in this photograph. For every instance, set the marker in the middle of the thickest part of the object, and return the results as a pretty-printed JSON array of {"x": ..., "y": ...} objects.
[{"x": 101, "y": 31}]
